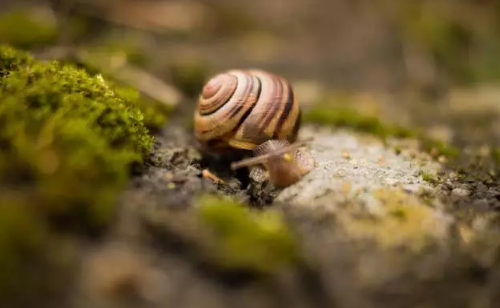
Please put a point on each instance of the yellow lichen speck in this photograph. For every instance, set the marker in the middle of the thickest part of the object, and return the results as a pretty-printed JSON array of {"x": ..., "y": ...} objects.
[{"x": 404, "y": 221}]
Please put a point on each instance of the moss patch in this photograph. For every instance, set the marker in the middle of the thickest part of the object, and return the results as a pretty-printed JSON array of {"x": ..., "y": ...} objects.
[
  {"x": 103, "y": 62},
  {"x": 155, "y": 113},
  {"x": 67, "y": 132},
  {"x": 12, "y": 60},
  {"x": 327, "y": 114},
  {"x": 430, "y": 178},
  {"x": 243, "y": 238},
  {"x": 67, "y": 141}
]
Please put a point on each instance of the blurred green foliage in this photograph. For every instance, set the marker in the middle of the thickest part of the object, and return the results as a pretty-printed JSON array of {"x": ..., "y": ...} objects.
[
  {"x": 461, "y": 36},
  {"x": 338, "y": 112},
  {"x": 155, "y": 114},
  {"x": 23, "y": 29},
  {"x": 189, "y": 76}
]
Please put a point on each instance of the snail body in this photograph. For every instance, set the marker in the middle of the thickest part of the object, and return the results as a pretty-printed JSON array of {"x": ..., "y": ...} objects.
[
  {"x": 285, "y": 163},
  {"x": 255, "y": 111}
]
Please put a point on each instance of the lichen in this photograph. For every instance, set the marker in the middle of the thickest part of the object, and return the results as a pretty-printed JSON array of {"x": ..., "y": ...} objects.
[
  {"x": 406, "y": 222},
  {"x": 243, "y": 238}
]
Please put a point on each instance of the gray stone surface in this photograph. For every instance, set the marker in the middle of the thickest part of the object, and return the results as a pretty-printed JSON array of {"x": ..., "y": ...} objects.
[{"x": 344, "y": 158}]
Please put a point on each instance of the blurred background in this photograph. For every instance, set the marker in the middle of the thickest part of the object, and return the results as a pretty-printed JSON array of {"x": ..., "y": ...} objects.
[{"x": 382, "y": 45}]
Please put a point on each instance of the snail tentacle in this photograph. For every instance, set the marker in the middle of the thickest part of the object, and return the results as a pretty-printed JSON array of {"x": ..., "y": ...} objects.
[{"x": 272, "y": 148}]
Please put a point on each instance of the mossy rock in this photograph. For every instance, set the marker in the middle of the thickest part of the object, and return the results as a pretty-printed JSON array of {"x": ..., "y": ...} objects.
[
  {"x": 97, "y": 63},
  {"x": 67, "y": 132},
  {"x": 67, "y": 142}
]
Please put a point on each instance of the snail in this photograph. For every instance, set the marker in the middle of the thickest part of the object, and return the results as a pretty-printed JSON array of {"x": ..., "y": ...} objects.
[{"x": 253, "y": 110}]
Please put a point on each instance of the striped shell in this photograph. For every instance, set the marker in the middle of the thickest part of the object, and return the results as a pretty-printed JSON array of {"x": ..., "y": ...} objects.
[{"x": 244, "y": 108}]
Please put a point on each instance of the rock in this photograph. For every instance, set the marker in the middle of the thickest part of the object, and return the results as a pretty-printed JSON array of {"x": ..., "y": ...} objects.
[
  {"x": 373, "y": 195},
  {"x": 371, "y": 166}
]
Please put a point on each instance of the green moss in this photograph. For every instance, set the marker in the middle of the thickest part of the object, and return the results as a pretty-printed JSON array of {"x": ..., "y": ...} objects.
[
  {"x": 12, "y": 60},
  {"x": 70, "y": 134},
  {"x": 347, "y": 117},
  {"x": 43, "y": 89},
  {"x": 427, "y": 177},
  {"x": 433, "y": 179},
  {"x": 67, "y": 141},
  {"x": 98, "y": 64},
  {"x": 438, "y": 147},
  {"x": 155, "y": 113},
  {"x": 21, "y": 28},
  {"x": 243, "y": 238}
]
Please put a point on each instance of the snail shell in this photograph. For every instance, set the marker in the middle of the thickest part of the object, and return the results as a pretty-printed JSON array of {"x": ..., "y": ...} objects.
[
  {"x": 257, "y": 111},
  {"x": 242, "y": 109}
]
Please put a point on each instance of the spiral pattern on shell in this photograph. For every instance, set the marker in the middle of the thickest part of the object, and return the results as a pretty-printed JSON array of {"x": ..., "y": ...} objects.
[{"x": 244, "y": 108}]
